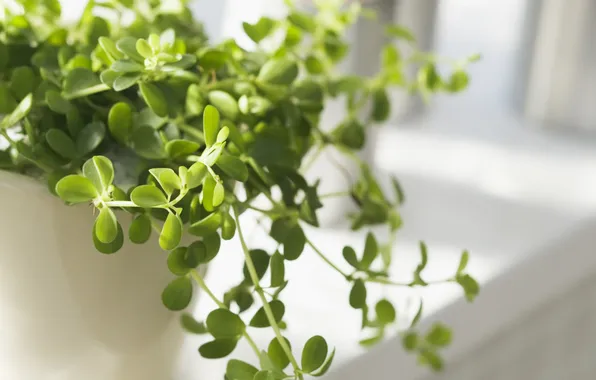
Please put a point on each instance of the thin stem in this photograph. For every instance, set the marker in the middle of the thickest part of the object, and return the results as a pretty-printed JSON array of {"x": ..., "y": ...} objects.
[
  {"x": 336, "y": 194},
  {"x": 201, "y": 282},
  {"x": 385, "y": 281},
  {"x": 120, "y": 204},
  {"x": 322, "y": 256},
  {"x": 268, "y": 312},
  {"x": 313, "y": 158}
]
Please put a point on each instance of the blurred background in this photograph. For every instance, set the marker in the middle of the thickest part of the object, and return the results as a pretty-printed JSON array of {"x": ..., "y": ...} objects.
[{"x": 506, "y": 169}]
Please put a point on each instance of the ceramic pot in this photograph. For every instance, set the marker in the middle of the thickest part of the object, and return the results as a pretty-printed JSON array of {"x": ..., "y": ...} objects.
[{"x": 69, "y": 312}]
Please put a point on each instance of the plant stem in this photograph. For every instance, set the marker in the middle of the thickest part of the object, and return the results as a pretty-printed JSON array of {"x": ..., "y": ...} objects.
[
  {"x": 201, "y": 282},
  {"x": 385, "y": 281},
  {"x": 268, "y": 312},
  {"x": 336, "y": 194},
  {"x": 322, "y": 256}
]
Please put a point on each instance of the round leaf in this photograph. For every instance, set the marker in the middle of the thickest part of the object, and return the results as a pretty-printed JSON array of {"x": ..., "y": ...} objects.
[
  {"x": 212, "y": 244},
  {"x": 177, "y": 261},
  {"x": 140, "y": 229},
  {"x": 380, "y": 105},
  {"x": 218, "y": 194},
  {"x": 144, "y": 48},
  {"x": 294, "y": 243},
  {"x": 196, "y": 174},
  {"x": 210, "y": 124},
  {"x": 148, "y": 196},
  {"x": 225, "y": 103},
  {"x": 120, "y": 121},
  {"x": 239, "y": 370},
  {"x": 385, "y": 312},
  {"x": 154, "y": 98},
  {"x": 171, "y": 232},
  {"x": 181, "y": 148},
  {"x": 277, "y": 354},
  {"x": 178, "y": 294},
  {"x": 280, "y": 71},
  {"x": 358, "y": 295},
  {"x": 75, "y": 189},
  {"x": 106, "y": 226},
  {"x": 222, "y": 323},
  {"x": 228, "y": 227},
  {"x": 260, "y": 318},
  {"x": 100, "y": 171},
  {"x": 439, "y": 335},
  {"x": 191, "y": 325},
  {"x": 109, "y": 248},
  {"x": 260, "y": 260},
  {"x": 206, "y": 226},
  {"x": 314, "y": 353},
  {"x": 218, "y": 348},
  {"x": 350, "y": 256}
]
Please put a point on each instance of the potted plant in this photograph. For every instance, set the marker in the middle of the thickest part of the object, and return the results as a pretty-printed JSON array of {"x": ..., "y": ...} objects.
[{"x": 161, "y": 142}]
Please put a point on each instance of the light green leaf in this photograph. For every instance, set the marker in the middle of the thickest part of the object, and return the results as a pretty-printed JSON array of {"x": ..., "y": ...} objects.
[
  {"x": 196, "y": 174},
  {"x": 171, "y": 232},
  {"x": 167, "y": 179},
  {"x": 154, "y": 98},
  {"x": 208, "y": 193},
  {"x": 148, "y": 196},
  {"x": 371, "y": 250},
  {"x": 260, "y": 318},
  {"x": 140, "y": 229},
  {"x": 106, "y": 226},
  {"x": 239, "y": 370},
  {"x": 266, "y": 375},
  {"x": 125, "y": 81},
  {"x": 277, "y": 354},
  {"x": 128, "y": 46},
  {"x": 120, "y": 121},
  {"x": 181, "y": 148},
  {"x": 325, "y": 367},
  {"x": 56, "y": 102},
  {"x": 410, "y": 340},
  {"x": 100, "y": 171},
  {"x": 177, "y": 294},
  {"x": 218, "y": 348},
  {"x": 177, "y": 263},
  {"x": 279, "y": 71},
  {"x": 314, "y": 65},
  {"x": 90, "y": 137},
  {"x": 400, "y": 32},
  {"x": 109, "y": 248},
  {"x": 143, "y": 48},
  {"x": 439, "y": 335},
  {"x": 228, "y": 227},
  {"x": 210, "y": 124},
  {"x": 76, "y": 189},
  {"x": 218, "y": 194},
  {"x": 302, "y": 20},
  {"x": 206, "y": 226},
  {"x": 126, "y": 66},
  {"x": 463, "y": 262},
  {"x": 260, "y": 30},
  {"x": 110, "y": 48},
  {"x": 358, "y": 295},
  {"x": 470, "y": 286},
  {"x": 385, "y": 312},
  {"x": 18, "y": 113},
  {"x": 314, "y": 354},
  {"x": 222, "y": 323},
  {"x": 225, "y": 103}
]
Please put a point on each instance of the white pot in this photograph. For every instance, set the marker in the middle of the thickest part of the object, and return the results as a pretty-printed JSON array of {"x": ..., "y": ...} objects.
[{"x": 69, "y": 312}]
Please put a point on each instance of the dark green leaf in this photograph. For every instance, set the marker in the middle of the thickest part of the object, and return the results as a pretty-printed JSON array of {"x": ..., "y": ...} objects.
[
  {"x": 154, "y": 98},
  {"x": 90, "y": 137},
  {"x": 112, "y": 247},
  {"x": 100, "y": 171},
  {"x": 56, "y": 102},
  {"x": 225, "y": 103},
  {"x": 233, "y": 167},
  {"x": 206, "y": 226},
  {"x": 171, "y": 232},
  {"x": 314, "y": 353},
  {"x": 178, "y": 294},
  {"x": 260, "y": 318},
  {"x": 196, "y": 254},
  {"x": 239, "y": 370},
  {"x": 81, "y": 82},
  {"x": 76, "y": 189},
  {"x": 281, "y": 71},
  {"x": 277, "y": 270},
  {"x": 385, "y": 312},
  {"x": 439, "y": 335},
  {"x": 381, "y": 107},
  {"x": 218, "y": 348},
  {"x": 325, "y": 367},
  {"x": 106, "y": 226},
  {"x": 148, "y": 196},
  {"x": 294, "y": 243},
  {"x": 371, "y": 251},
  {"x": 147, "y": 143},
  {"x": 358, "y": 295},
  {"x": 120, "y": 121},
  {"x": 212, "y": 59},
  {"x": 140, "y": 229},
  {"x": 258, "y": 31},
  {"x": 222, "y": 323},
  {"x": 61, "y": 143},
  {"x": 260, "y": 260},
  {"x": 191, "y": 325},
  {"x": 280, "y": 229},
  {"x": 277, "y": 354}
]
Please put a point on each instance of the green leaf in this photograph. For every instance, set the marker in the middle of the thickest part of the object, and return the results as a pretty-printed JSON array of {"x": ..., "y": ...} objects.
[
  {"x": 260, "y": 30},
  {"x": 110, "y": 48},
  {"x": 463, "y": 262},
  {"x": 120, "y": 121},
  {"x": 125, "y": 66},
  {"x": 167, "y": 179},
  {"x": 410, "y": 340},
  {"x": 76, "y": 189},
  {"x": 210, "y": 124},
  {"x": 399, "y": 192},
  {"x": 61, "y": 143},
  {"x": 350, "y": 256},
  {"x": 100, "y": 171},
  {"x": 18, "y": 113},
  {"x": 222, "y": 323},
  {"x": 302, "y": 20},
  {"x": 260, "y": 259},
  {"x": 148, "y": 196},
  {"x": 228, "y": 227},
  {"x": 358, "y": 295},
  {"x": 277, "y": 270},
  {"x": 225, "y": 103},
  {"x": 260, "y": 318},
  {"x": 277, "y": 354},
  {"x": 314, "y": 65},
  {"x": 400, "y": 32},
  {"x": 109, "y": 248},
  {"x": 314, "y": 353},
  {"x": 147, "y": 143},
  {"x": 439, "y": 335},
  {"x": 470, "y": 286},
  {"x": 278, "y": 71},
  {"x": 125, "y": 81},
  {"x": 181, "y": 148},
  {"x": 381, "y": 107},
  {"x": 128, "y": 46},
  {"x": 212, "y": 59},
  {"x": 234, "y": 167},
  {"x": 196, "y": 174},
  {"x": 239, "y": 370},
  {"x": 196, "y": 254},
  {"x": 106, "y": 226},
  {"x": 385, "y": 312},
  {"x": 90, "y": 137},
  {"x": 191, "y": 325},
  {"x": 266, "y": 375},
  {"x": 458, "y": 81},
  {"x": 371, "y": 251},
  {"x": 280, "y": 229},
  {"x": 431, "y": 359},
  {"x": 325, "y": 367},
  {"x": 418, "y": 315},
  {"x": 81, "y": 82},
  {"x": 56, "y": 102},
  {"x": 294, "y": 243},
  {"x": 140, "y": 229},
  {"x": 154, "y": 98},
  {"x": 423, "y": 261},
  {"x": 218, "y": 194},
  {"x": 218, "y": 348},
  {"x": 177, "y": 294},
  {"x": 143, "y": 48},
  {"x": 206, "y": 226},
  {"x": 171, "y": 232}
]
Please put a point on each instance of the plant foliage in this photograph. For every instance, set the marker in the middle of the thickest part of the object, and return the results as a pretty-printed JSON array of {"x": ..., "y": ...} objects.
[{"x": 132, "y": 110}]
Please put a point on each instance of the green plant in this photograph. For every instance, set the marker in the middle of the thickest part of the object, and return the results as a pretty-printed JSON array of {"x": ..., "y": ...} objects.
[{"x": 198, "y": 132}]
